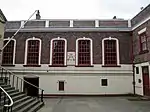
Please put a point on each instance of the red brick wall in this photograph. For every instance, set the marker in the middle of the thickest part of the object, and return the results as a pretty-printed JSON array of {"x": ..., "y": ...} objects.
[{"x": 124, "y": 40}]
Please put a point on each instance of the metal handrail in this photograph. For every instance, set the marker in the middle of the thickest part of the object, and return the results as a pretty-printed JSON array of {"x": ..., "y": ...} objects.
[
  {"x": 21, "y": 78},
  {"x": 11, "y": 101}
]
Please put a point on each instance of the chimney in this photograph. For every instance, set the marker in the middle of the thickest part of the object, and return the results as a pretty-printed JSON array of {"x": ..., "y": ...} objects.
[
  {"x": 114, "y": 17},
  {"x": 38, "y": 15}
]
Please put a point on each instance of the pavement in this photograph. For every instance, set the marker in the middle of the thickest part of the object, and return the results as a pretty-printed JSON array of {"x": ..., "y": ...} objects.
[{"x": 95, "y": 104}]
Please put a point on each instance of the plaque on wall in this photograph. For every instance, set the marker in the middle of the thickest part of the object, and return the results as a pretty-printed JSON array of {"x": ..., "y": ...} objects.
[{"x": 70, "y": 58}]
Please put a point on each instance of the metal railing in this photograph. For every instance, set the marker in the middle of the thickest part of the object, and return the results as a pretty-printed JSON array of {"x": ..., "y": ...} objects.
[
  {"x": 10, "y": 78},
  {"x": 7, "y": 101}
]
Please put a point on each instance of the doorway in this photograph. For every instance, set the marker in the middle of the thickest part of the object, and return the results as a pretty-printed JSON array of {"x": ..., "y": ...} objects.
[
  {"x": 30, "y": 90},
  {"x": 145, "y": 73}
]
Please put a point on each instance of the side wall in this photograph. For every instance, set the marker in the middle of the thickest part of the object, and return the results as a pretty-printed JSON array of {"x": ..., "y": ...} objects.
[{"x": 1, "y": 39}]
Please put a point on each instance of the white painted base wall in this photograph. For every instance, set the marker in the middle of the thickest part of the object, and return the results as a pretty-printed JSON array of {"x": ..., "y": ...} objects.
[
  {"x": 87, "y": 84},
  {"x": 82, "y": 80}
]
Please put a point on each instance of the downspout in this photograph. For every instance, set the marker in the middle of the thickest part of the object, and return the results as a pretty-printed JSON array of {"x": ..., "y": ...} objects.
[{"x": 133, "y": 67}]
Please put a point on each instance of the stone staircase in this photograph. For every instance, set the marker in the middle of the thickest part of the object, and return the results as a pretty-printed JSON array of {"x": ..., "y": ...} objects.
[
  {"x": 22, "y": 102},
  {"x": 13, "y": 86}
]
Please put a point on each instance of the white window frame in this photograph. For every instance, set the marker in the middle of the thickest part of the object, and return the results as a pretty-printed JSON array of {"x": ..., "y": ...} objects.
[
  {"x": 117, "y": 50},
  {"x": 91, "y": 49},
  {"x": 51, "y": 50},
  {"x": 14, "y": 51},
  {"x": 26, "y": 50}
]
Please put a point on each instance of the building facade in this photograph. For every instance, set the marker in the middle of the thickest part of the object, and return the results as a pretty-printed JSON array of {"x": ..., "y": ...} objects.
[
  {"x": 2, "y": 26},
  {"x": 79, "y": 57},
  {"x": 141, "y": 54}
]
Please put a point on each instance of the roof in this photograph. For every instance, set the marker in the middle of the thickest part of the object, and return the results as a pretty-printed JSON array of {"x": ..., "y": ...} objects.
[{"x": 2, "y": 16}]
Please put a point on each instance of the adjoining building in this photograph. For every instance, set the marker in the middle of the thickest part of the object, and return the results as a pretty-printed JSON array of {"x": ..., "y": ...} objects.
[
  {"x": 79, "y": 57},
  {"x": 2, "y": 26},
  {"x": 141, "y": 53}
]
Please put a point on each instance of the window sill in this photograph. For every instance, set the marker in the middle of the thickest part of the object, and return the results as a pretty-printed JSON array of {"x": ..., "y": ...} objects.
[
  {"x": 32, "y": 65},
  {"x": 57, "y": 65},
  {"x": 84, "y": 66},
  {"x": 111, "y": 65},
  {"x": 143, "y": 52},
  {"x": 8, "y": 65}
]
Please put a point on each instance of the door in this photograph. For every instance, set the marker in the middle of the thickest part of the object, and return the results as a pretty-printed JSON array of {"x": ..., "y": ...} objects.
[
  {"x": 30, "y": 90},
  {"x": 145, "y": 73}
]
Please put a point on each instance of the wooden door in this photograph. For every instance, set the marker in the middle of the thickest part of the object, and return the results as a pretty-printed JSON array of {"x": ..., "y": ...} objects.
[{"x": 146, "y": 86}]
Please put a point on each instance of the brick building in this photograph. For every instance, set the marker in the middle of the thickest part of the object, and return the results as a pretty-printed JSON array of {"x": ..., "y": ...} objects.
[{"x": 81, "y": 57}]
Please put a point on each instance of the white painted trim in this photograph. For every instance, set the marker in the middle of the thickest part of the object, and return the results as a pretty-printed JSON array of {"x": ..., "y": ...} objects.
[
  {"x": 142, "y": 22},
  {"x": 117, "y": 46},
  {"x": 91, "y": 49},
  {"x": 26, "y": 49},
  {"x": 71, "y": 23},
  {"x": 96, "y": 23},
  {"x": 142, "y": 31},
  {"x": 46, "y": 23},
  {"x": 51, "y": 50},
  {"x": 129, "y": 23},
  {"x": 14, "y": 50}
]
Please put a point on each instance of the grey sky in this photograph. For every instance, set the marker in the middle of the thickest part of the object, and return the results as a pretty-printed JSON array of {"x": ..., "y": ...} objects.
[{"x": 72, "y": 9}]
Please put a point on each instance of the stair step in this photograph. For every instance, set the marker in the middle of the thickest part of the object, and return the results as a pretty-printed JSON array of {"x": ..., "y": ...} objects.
[
  {"x": 11, "y": 95},
  {"x": 14, "y": 98},
  {"x": 18, "y": 97},
  {"x": 22, "y": 105},
  {"x": 12, "y": 91},
  {"x": 23, "y": 99},
  {"x": 15, "y": 94},
  {"x": 29, "y": 106},
  {"x": 9, "y": 88},
  {"x": 36, "y": 107},
  {"x": 5, "y": 86}
]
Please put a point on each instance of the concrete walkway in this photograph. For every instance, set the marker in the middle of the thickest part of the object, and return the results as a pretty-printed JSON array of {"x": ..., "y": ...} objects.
[{"x": 94, "y": 104}]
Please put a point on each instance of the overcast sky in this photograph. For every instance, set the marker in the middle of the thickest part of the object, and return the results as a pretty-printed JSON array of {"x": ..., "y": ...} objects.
[{"x": 72, "y": 9}]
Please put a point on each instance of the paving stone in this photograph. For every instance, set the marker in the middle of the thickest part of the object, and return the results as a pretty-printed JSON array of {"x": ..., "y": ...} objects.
[{"x": 94, "y": 104}]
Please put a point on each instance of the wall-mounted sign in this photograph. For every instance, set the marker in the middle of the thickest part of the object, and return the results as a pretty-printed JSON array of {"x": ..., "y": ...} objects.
[{"x": 70, "y": 58}]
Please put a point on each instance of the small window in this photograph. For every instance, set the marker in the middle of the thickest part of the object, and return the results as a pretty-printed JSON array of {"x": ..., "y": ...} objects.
[
  {"x": 61, "y": 85},
  {"x": 143, "y": 42},
  {"x": 104, "y": 82},
  {"x": 137, "y": 70}
]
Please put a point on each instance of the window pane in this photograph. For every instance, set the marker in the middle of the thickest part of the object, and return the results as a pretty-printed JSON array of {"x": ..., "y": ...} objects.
[
  {"x": 84, "y": 52},
  {"x": 144, "y": 46},
  {"x": 61, "y": 85},
  {"x": 137, "y": 70},
  {"x": 143, "y": 41},
  {"x": 110, "y": 54},
  {"x": 33, "y": 52},
  {"x": 104, "y": 82},
  {"x": 58, "y": 53},
  {"x": 8, "y": 52}
]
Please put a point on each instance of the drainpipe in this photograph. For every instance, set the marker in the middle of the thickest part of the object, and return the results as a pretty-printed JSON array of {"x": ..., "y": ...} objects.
[{"x": 133, "y": 67}]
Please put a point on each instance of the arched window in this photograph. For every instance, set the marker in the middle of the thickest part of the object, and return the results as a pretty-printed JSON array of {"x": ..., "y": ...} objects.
[
  {"x": 9, "y": 52},
  {"x": 33, "y": 52},
  {"x": 110, "y": 52},
  {"x": 84, "y": 52},
  {"x": 58, "y": 52}
]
